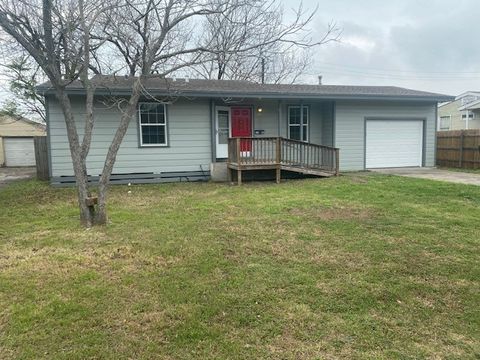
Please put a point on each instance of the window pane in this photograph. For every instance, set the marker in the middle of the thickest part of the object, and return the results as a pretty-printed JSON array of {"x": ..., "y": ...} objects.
[
  {"x": 305, "y": 133},
  {"x": 294, "y": 115},
  {"x": 222, "y": 136},
  {"x": 144, "y": 118},
  {"x": 152, "y": 113},
  {"x": 153, "y": 134},
  {"x": 305, "y": 115},
  {"x": 223, "y": 120},
  {"x": 295, "y": 132}
]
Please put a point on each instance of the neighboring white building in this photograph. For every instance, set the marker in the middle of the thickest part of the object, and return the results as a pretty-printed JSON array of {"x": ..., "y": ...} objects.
[
  {"x": 461, "y": 114},
  {"x": 16, "y": 141}
]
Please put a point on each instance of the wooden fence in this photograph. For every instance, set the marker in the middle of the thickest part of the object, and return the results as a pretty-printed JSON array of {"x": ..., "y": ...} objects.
[
  {"x": 41, "y": 157},
  {"x": 459, "y": 149}
]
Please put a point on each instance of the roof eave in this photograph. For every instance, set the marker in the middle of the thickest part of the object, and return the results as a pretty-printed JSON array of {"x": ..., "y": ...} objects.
[{"x": 258, "y": 95}]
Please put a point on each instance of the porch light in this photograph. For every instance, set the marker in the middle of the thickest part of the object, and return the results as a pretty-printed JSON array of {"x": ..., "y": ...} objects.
[{"x": 259, "y": 109}]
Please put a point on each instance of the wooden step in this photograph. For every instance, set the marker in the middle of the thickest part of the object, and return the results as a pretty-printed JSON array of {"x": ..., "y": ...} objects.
[{"x": 308, "y": 171}]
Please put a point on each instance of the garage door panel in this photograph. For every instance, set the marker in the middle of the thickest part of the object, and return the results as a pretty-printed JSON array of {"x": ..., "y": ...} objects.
[
  {"x": 394, "y": 143},
  {"x": 19, "y": 151}
]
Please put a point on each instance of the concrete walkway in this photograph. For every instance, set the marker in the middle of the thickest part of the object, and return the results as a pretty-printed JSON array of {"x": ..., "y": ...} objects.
[
  {"x": 9, "y": 174},
  {"x": 435, "y": 174}
]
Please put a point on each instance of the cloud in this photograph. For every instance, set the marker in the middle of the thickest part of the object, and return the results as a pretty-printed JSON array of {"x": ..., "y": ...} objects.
[{"x": 417, "y": 44}]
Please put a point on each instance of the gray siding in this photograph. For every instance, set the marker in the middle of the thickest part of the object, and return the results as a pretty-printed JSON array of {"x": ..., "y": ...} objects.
[
  {"x": 350, "y": 127},
  {"x": 319, "y": 115},
  {"x": 268, "y": 119},
  {"x": 327, "y": 124},
  {"x": 189, "y": 140}
]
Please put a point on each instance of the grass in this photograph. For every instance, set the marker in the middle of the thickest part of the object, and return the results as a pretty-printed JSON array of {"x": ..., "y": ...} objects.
[{"x": 362, "y": 266}]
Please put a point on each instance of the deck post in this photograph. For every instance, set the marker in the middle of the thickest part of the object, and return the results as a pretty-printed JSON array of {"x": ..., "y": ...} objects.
[
  {"x": 278, "y": 155},
  {"x": 278, "y": 159},
  {"x": 238, "y": 153},
  {"x": 239, "y": 162}
]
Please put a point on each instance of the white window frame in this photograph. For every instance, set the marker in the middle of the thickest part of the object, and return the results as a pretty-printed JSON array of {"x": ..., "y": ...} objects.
[
  {"x": 140, "y": 125},
  {"x": 449, "y": 121},
  {"x": 471, "y": 116},
  {"x": 301, "y": 125}
]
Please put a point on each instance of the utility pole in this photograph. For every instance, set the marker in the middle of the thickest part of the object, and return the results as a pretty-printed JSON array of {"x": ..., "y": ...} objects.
[{"x": 263, "y": 70}]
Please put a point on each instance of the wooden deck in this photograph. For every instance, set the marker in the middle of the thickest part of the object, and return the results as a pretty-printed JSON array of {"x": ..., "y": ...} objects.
[{"x": 276, "y": 153}]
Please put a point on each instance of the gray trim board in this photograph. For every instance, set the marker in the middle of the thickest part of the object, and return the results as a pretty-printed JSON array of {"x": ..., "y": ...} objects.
[
  {"x": 147, "y": 178},
  {"x": 49, "y": 146},
  {"x": 213, "y": 130},
  {"x": 334, "y": 125}
]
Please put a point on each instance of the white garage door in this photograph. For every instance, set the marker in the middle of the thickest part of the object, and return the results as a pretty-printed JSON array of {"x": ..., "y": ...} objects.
[
  {"x": 394, "y": 143},
  {"x": 19, "y": 151}
]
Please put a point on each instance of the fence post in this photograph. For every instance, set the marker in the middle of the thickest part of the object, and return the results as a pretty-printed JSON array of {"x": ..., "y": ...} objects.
[
  {"x": 41, "y": 157},
  {"x": 462, "y": 144}
]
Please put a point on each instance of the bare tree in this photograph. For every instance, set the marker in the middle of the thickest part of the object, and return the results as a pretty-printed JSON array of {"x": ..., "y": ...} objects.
[
  {"x": 56, "y": 34},
  {"x": 255, "y": 44},
  {"x": 71, "y": 40}
]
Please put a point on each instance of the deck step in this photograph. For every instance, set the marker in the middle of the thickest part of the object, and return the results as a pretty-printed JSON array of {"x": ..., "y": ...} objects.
[{"x": 308, "y": 171}]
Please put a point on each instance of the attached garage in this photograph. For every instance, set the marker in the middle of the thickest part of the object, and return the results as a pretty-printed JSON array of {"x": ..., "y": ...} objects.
[
  {"x": 19, "y": 151},
  {"x": 394, "y": 143}
]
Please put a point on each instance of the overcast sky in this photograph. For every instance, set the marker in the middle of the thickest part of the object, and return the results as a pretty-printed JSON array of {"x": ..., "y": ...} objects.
[{"x": 423, "y": 44}]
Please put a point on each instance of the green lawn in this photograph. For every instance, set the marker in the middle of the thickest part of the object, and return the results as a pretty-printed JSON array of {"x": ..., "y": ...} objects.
[{"x": 362, "y": 266}]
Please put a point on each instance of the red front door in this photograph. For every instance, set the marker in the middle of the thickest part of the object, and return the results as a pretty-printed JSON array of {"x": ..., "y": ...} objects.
[{"x": 242, "y": 125}]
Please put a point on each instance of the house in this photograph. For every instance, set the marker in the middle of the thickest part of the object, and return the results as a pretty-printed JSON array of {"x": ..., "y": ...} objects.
[
  {"x": 190, "y": 129},
  {"x": 463, "y": 113},
  {"x": 16, "y": 140}
]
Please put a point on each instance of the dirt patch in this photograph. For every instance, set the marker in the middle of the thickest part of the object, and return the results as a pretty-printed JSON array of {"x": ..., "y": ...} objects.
[
  {"x": 334, "y": 213},
  {"x": 10, "y": 174}
]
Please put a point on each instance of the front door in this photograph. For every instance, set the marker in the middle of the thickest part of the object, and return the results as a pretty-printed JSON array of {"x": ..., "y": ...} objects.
[
  {"x": 223, "y": 131},
  {"x": 242, "y": 126}
]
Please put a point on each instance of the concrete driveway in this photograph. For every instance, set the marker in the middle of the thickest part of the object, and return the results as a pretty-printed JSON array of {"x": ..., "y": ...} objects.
[
  {"x": 435, "y": 174},
  {"x": 9, "y": 174}
]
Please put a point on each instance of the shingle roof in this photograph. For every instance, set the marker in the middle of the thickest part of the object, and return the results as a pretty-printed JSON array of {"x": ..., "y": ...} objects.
[{"x": 238, "y": 88}]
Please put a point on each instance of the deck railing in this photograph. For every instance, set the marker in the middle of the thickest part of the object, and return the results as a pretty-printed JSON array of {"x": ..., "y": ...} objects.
[{"x": 270, "y": 152}]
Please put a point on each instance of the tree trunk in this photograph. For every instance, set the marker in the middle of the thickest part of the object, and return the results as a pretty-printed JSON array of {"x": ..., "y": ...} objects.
[
  {"x": 87, "y": 213},
  {"x": 101, "y": 214}
]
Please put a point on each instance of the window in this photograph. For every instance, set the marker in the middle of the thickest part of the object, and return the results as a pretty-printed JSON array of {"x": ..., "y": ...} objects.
[
  {"x": 445, "y": 122},
  {"x": 298, "y": 122},
  {"x": 152, "y": 124},
  {"x": 470, "y": 116}
]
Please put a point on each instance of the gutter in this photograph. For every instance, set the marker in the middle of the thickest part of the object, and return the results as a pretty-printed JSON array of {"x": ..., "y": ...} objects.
[{"x": 257, "y": 95}]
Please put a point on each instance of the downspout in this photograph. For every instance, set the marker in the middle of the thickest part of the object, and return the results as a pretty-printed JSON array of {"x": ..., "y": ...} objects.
[
  {"x": 213, "y": 134},
  {"x": 467, "y": 120}
]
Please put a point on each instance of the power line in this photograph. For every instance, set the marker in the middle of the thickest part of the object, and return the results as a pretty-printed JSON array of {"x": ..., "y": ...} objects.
[
  {"x": 412, "y": 76},
  {"x": 384, "y": 70}
]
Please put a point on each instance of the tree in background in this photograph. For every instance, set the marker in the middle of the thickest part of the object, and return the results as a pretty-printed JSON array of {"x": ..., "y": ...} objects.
[
  {"x": 22, "y": 76},
  {"x": 273, "y": 51}
]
